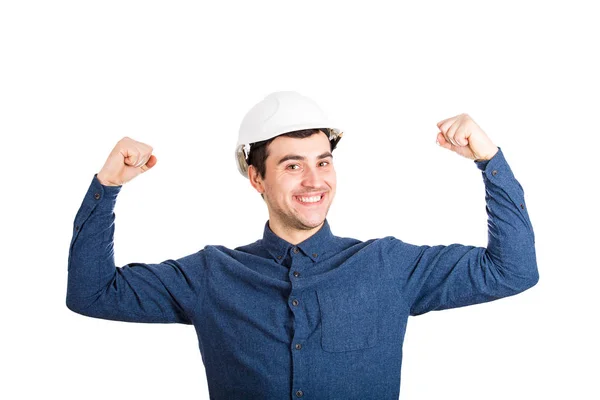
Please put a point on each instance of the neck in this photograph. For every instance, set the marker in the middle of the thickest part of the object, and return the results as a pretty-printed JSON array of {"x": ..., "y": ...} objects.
[{"x": 293, "y": 235}]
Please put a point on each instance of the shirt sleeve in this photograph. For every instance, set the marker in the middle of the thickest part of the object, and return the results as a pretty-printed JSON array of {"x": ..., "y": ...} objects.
[
  {"x": 136, "y": 292},
  {"x": 443, "y": 277}
]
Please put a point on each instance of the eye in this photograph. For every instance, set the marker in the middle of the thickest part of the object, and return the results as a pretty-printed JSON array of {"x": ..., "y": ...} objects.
[
  {"x": 324, "y": 163},
  {"x": 293, "y": 166}
]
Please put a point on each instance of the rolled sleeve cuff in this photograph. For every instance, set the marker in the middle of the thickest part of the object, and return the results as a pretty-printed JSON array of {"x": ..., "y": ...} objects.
[
  {"x": 496, "y": 167},
  {"x": 100, "y": 196}
]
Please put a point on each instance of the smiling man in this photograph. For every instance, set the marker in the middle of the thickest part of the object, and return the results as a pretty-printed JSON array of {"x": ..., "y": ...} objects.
[
  {"x": 299, "y": 183},
  {"x": 301, "y": 313}
]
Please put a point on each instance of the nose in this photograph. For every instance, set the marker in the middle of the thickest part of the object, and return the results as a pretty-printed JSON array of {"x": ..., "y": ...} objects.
[{"x": 311, "y": 178}]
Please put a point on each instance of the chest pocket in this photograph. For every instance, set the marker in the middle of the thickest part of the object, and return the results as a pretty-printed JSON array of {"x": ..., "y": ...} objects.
[{"x": 349, "y": 319}]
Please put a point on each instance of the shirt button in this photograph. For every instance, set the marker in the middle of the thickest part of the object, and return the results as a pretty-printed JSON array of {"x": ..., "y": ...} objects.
[
  {"x": 298, "y": 346},
  {"x": 296, "y": 274},
  {"x": 315, "y": 254},
  {"x": 77, "y": 228},
  {"x": 295, "y": 250},
  {"x": 522, "y": 207},
  {"x": 97, "y": 196},
  {"x": 295, "y": 302},
  {"x": 299, "y": 393},
  {"x": 494, "y": 172},
  {"x": 279, "y": 257}
]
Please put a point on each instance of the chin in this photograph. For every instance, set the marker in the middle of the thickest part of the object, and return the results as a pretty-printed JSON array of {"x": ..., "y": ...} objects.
[{"x": 312, "y": 223}]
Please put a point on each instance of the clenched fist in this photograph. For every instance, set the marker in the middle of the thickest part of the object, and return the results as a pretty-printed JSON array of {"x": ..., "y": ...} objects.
[
  {"x": 127, "y": 160},
  {"x": 463, "y": 136}
]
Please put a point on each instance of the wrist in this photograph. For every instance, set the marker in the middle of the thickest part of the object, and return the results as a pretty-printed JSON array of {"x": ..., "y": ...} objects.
[
  {"x": 488, "y": 156},
  {"x": 104, "y": 181}
]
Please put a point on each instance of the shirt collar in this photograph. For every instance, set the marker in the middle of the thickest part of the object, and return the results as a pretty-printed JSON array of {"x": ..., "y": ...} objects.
[{"x": 314, "y": 247}]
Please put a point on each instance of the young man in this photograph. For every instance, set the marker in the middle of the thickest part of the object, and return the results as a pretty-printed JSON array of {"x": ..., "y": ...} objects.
[{"x": 301, "y": 313}]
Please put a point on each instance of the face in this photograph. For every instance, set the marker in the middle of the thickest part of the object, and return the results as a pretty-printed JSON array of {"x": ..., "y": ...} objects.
[{"x": 299, "y": 183}]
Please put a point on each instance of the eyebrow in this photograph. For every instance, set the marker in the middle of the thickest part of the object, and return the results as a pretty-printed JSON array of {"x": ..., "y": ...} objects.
[{"x": 301, "y": 158}]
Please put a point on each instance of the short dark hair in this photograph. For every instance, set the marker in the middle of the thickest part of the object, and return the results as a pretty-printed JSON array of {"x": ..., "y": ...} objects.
[{"x": 259, "y": 150}]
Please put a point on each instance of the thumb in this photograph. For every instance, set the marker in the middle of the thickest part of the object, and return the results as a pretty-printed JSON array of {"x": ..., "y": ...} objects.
[{"x": 150, "y": 163}]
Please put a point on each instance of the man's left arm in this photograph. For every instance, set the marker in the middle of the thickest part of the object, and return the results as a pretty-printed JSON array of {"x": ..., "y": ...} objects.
[{"x": 442, "y": 277}]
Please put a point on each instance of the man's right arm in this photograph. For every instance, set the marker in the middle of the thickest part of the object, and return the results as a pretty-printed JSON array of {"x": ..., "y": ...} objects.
[{"x": 136, "y": 292}]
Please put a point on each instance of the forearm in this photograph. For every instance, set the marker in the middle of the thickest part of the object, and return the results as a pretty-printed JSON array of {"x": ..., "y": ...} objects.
[
  {"x": 91, "y": 263},
  {"x": 511, "y": 241}
]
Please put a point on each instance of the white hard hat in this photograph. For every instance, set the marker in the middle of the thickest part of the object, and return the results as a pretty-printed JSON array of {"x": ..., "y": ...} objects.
[{"x": 279, "y": 113}]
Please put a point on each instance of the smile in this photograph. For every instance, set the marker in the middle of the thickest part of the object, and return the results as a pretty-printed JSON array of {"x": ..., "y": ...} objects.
[{"x": 315, "y": 199}]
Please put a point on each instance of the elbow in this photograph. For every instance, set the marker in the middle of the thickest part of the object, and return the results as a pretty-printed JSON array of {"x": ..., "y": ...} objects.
[
  {"x": 533, "y": 279},
  {"x": 530, "y": 270},
  {"x": 517, "y": 276},
  {"x": 73, "y": 305},
  {"x": 526, "y": 280},
  {"x": 520, "y": 269},
  {"x": 77, "y": 305}
]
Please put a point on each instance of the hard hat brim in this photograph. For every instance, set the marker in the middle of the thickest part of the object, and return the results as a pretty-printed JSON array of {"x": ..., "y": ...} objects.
[{"x": 240, "y": 152}]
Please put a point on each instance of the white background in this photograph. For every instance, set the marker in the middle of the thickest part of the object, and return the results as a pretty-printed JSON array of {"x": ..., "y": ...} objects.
[{"x": 77, "y": 76}]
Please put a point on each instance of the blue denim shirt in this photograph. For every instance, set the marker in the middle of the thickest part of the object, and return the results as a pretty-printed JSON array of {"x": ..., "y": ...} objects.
[{"x": 324, "y": 319}]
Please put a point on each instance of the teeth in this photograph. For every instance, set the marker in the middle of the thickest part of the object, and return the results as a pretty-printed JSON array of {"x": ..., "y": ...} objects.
[{"x": 312, "y": 199}]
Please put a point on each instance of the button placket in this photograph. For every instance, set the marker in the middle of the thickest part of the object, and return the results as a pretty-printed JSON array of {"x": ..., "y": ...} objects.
[
  {"x": 298, "y": 357},
  {"x": 298, "y": 262},
  {"x": 293, "y": 293},
  {"x": 296, "y": 265}
]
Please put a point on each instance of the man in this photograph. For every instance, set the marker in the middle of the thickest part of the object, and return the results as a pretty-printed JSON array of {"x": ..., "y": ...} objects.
[{"x": 301, "y": 313}]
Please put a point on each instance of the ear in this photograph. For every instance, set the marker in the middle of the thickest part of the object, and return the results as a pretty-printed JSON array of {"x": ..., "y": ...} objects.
[{"x": 255, "y": 179}]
